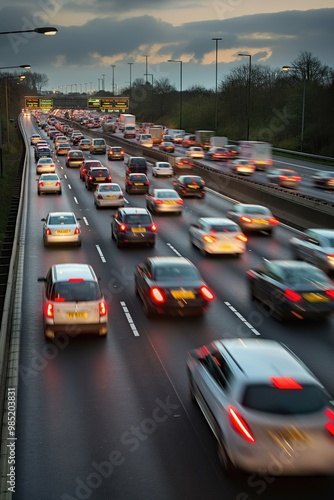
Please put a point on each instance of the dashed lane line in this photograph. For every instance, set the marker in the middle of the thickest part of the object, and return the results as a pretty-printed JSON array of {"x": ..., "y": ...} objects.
[
  {"x": 99, "y": 251},
  {"x": 130, "y": 320},
  {"x": 240, "y": 316}
]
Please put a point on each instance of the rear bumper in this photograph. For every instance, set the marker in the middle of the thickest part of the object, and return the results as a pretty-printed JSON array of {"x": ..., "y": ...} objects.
[{"x": 78, "y": 329}]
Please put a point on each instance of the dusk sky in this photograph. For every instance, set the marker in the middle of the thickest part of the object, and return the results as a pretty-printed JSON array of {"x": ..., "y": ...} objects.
[{"x": 94, "y": 34}]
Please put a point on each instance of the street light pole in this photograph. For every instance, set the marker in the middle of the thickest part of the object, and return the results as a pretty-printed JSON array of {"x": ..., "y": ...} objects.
[
  {"x": 113, "y": 78},
  {"x": 180, "y": 62},
  {"x": 249, "y": 89},
  {"x": 216, "y": 95},
  {"x": 146, "y": 67},
  {"x": 49, "y": 31},
  {"x": 130, "y": 65},
  {"x": 293, "y": 68},
  {"x": 150, "y": 74}
]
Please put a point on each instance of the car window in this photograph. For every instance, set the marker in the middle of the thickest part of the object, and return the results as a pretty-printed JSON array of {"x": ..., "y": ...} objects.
[
  {"x": 138, "y": 177},
  {"x": 223, "y": 228},
  {"x": 163, "y": 165},
  {"x": 304, "y": 276},
  {"x": 108, "y": 188},
  {"x": 73, "y": 291},
  {"x": 76, "y": 154},
  {"x": 179, "y": 273},
  {"x": 269, "y": 399},
  {"x": 137, "y": 219},
  {"x": 255, "y": 210},
  {"x": 166, "y": 195},
  {"x": 99, "y": 172},
  {"x": 61, "y": 219}
]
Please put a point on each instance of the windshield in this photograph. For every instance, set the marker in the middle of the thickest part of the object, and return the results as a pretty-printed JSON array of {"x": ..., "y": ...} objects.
[
  {"x": 176, "y": 273},
  {"x": 55, "y": 220},
  {"x": 76, "y": 291}
]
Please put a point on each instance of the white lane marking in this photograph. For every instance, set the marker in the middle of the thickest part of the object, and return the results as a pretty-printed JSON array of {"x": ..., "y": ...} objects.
[
  {"x": 130, "y": 320},
  {"x": 85, "y": 221},
  {"x": 126, "y": 201},
  {"x": 240, "y": 316},
  {"x": 100, "y": 253},
  {"x": 65, "y": 176},
  {"x": 69, "y": 186},
  {"x": 76, "y": 201},
  {"x": 174, "y": 249}
]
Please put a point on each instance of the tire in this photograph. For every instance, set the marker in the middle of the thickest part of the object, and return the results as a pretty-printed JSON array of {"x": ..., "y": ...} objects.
[
  {"x": 191, "y": 388},
  {"x": 79, "y": 244},
  {"x": 119, "y": 244},
  {"x": 251, "y": 292},
  {"x": 152, "y": 244},
  {"x": 59, "y": 193},
  {"x": 225, "y": 461},
  {"x": 269, "y": 232},
  {"x": 112, "y": 234},
  {"x": 39, "y": 193},
  {"x": 148, "y": 311}
]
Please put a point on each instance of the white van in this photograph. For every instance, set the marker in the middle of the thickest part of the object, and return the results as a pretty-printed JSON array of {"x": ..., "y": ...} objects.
[
  {"x": 129, "y": 131},
  {"x": 98, "y": 146},
  {"x": 145, "y": 140}
]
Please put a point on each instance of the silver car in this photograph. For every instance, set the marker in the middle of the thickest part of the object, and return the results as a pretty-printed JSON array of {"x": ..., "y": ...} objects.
[
  {"x": 217, "y": 235},
  {"x": 164, "y": 200},
  {"x": 162, "y": 168},
  {"x": 73, "y": 302},
  {"x": 108, "y": 195},
  {"x": 269, "y": 413},
  {"x": 253, "y": 218},
  {"x": 60, "y": 228},
  {"x": 45, "y": 166},
  {"x": 316, "y": 246},
  {"x": 49, "y": 183}
]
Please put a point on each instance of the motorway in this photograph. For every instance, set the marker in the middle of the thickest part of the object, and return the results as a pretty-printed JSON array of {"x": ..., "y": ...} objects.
[{"x": 112, "y": 419}]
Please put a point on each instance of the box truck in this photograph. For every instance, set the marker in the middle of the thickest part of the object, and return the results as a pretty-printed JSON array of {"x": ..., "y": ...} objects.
[
  {"x": 203, "y": 138},
  {"x": 156, "y": 133},
  {"x": 257, "y": 152},
  {"x": 126, "y": 119}
]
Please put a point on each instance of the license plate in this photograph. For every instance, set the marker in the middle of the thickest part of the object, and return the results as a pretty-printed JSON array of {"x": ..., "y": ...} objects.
[
  {"x": 111, "y": 196},
  {"x": 225, "y": 247},
  {"x": 260, "y": 221},
  {"x": 315, "y": 297},
  {"x": 49, "y": 183},
  {"x": 288, "y": 435},
  {"x": 100, "y": 179},
  {"x": 183, "y": 294},
  {"x": 139, "y": 183},
  {"x": 169, "y": 202},
  {"x": 138, "y": 230},
  {"x": 77, "y": 314},
  {"x": 193, "y": 187},
  {"x": 63, "y": 231}
]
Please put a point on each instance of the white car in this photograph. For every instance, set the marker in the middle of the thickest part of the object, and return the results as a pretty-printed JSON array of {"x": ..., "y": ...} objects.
[
  {"x": 162, "y": 168},
  {"x": 269, "y": 413},
  {"x": 216, "y": 235},
  {"x": 195, "y": 152},
  {"x": 241, "y": 166},
  {"x": 73, "y": 302},
  {"x": 108, "y": 195},
  {"x": 164, "y": 200},
  {"x": 61, "y": 228},
  {"x": 49, "y": 183},
  {"x": 45, "y": 166}
]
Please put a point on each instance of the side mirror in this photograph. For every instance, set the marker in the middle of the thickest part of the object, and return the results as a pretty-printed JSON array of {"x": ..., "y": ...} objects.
[{"x": 44, "y": 219}]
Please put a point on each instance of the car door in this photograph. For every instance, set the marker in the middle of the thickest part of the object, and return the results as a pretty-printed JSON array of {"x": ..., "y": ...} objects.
[{"x": 144, "y": 276}]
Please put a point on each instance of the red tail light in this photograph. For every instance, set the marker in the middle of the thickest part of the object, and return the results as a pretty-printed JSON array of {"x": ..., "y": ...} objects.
[
  {"x": 330, "y": 294},
  {"x": 147, "y": 183},
  {"x": 241, "y": 237},
  {"x": 109, "y": 178},
  {"x": 41, "y": 184},
  {"x": 153, "y": 228},
  {"x": 243, "y": 218},
  {"x": 158, "y": 202},
  {"x": 90, "y": 178},
  {"x": 77, "y": 230},
  {"x": 284, "y": 178},
  {"x": 57, "y": 183},
  {"x": 285, "y": 383},
  {"x": 48, "y": 232},
  {"x": 130, "y": 183},
  {"x": 206, "y": 293},
  {"x": 297, "y": 178},
  {"x": 103, "y": 308},
  {"x": 330, "y": 425},
  {"x": 49, "y": 311},
  {"x": 273, "y": 222},
  {"x": 330, "y": 257},
  {"x": 122, "y": 228},
  {"x": 100, "y": 197},
  {"x": 293, "y": 296},
  {"x": 184, "y": 191},
  {"x": 179, "y": 202},
  {"x": 157, "y": 295},
  {"x": 120, "y": 197},
  {"x": 208, "y": 238},
  {"x": 240, "y": 425}
]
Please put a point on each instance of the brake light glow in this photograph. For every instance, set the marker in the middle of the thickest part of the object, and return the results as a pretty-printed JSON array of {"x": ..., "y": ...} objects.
[
  {"x": 130, "y": 183},
  {"x": 330, "y": 425},
  {"x": 158, "y": 202},
  {"x": 330, "y": 257},
  {"x": 41, "y": 184},
  {"x": 57, "y": 183},
  {"x": 102, "y": 308},
  {"x": 49, "y": 311},
  {"x": 285, "y": 383},
  {"x": 76, "y": 230},
  {"x": 157, "y": 295},
  {"x": 179, "y": 202},
  {"x": 330, "y": 293},
  {"x": 206, "y": 293},
  {"x": 208, "y": 238},
  {"x": 240, "y": 426},
  {"x": 100, "y": 197},
  {"x": 120, "y": 197},
  {"x": 241, "y": 237},
  {"x": 76, "y": 280},
  {"x": 48, "y": 232},
  {"x": 246, "y": 219},
  {"x": 122, "y": 227},
  {"x": 153, "y": 227},
  {"x": 273, "y": 221},
  {"x": 293, "y": 296}
]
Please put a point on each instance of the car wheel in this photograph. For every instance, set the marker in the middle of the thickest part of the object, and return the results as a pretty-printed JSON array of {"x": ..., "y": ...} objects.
[
  {"x": 119, "y": 244},
  {"x": 112, "y": 234},
  {"x": 39, "y": 193},
  {"x": 59, "y": 193},
  {"x": 79, "y": 244},
  {"x": 151, "y": 244},
  {"x": 269, "y": 232},
  {"x": 96, "y": 206},
  {"x": 224, "y": 459},
  {"x": 148, "y": 310},
  {"x": 191, "y": 388}
]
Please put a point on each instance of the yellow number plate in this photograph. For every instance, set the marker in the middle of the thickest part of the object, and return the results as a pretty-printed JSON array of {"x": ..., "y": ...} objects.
[
  {"x": 260, "y": 221},
  {"x": 100, "y": 179},
  {"x": 169, "y": 202},
  {"x": 226, "y": 247},
  {"x": 74, "y": 315},
  {"x": 49, "y": 183},
  {"x": 111, "y": 196},
  {"x": 315, "y": 297},
  {"x": 193, "y": 187},
  {"x": 139, "y": 183},
  {"x": 138, "y": 230},
  {"x": 63, "y": 231},
  {"x": 183, "y": 294}
]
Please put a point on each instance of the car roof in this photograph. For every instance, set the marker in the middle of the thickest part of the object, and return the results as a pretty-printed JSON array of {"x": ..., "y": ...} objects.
[
  {"x": 76, "y": 151},
  {"x": 61, "y": 213},
  {"x": 260, "y": 359},
  {"x": 138, "y": 174},
  {"x": 290, "y": 264},
  {"x": 99, "y": 168},
  {"x": 134, "y": 210},
  {"x": 159, "y": 190},
  {"x": 328, "y": 233},
  {"x": 64, "y": 272},
  {"x": 245, "y": 205},
  {"x": 218, "y": 220},
  {"x": 159, "y": 163},
  {"x": 163, "y": 261},
  {"x": 106, "y": 184}
]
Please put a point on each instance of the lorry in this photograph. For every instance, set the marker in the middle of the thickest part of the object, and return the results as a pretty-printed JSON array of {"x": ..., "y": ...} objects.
[
  {"x": 156, "y": 133},
  {"x": 203, "y": 138},
  {"x": 257, "y": 152},
  {"x": 126, "y": 119},
  {"x": 217, "y": 141}
]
